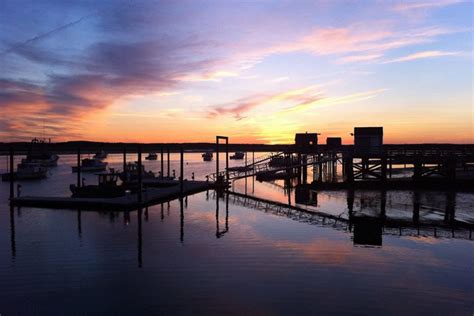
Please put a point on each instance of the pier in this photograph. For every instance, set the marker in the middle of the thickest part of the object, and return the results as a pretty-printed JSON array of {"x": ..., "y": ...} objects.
[{"x": 150, "y": 196}]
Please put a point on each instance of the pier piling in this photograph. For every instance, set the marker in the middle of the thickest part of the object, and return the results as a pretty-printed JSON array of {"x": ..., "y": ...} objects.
[
  {"x": 12, "y": 189},
  {"x": 168, "y": 163},
  {"x": 78, "y": 167},
  {"x": 124, "y": 159},
  {"x": 162, "y": 165},
  {"x": 140, "y": 174},
  {"x": 181, "y": 170}
]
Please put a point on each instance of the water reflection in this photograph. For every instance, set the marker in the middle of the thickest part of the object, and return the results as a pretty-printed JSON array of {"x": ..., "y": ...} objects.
[
  {"x": 12, "y": 232},
  {"x": 219, "y": 232}
]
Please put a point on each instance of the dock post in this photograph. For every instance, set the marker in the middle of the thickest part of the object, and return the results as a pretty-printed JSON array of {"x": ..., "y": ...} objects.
[
  {"x": 305, "y": 169},
  {"x": 349, "y": 170},
  {"x": 383, "y": 162},
  {"x": 390, "y": 167},
  {"x": 139, "y": 174},
  {"x": 79, "y": 167},
  {"x": 181, "y": 168},
  {"x": 253, "y": 159},
  {"x": 217, "y": 156},
  {"x": 417, "y": 169},
  {"x": 124, "y": 161},
  {"x": 162, "y": 169},
  {"x": 168, "y": 164},
  {"x": 12, "y": 189},
  {"x": 416, "y": 207},
  {"x": 227, "y": 160}
]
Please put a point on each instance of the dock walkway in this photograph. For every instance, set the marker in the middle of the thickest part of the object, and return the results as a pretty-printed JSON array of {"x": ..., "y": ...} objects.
[{"x": 150, "y": 196}]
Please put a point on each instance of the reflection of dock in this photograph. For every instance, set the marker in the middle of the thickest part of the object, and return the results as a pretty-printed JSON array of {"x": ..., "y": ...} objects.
[
  {"x": 150, "y": 196},
  {"x": 365, "y": 228}
]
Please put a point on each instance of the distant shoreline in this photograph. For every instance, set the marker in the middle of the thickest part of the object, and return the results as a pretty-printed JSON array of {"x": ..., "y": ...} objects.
[{"x": 91, "y": 147}]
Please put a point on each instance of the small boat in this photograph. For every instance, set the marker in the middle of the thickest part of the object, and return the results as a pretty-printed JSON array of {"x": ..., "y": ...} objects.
[
  {"x": 131, "y": 173},
  {"x": 91, "y": 164},
  {"x": 100, "y": 155},
  {"x": 39, "y": 153},
  {"x": 238, "y": 155},
  {"x": 151, "y": 156},
  {"x": 207, "y": 156},
  {"x": 27, "y": 171},
  {"x": 107, "y": 187}
]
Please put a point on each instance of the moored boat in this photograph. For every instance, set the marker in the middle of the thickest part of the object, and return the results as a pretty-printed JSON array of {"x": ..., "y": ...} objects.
[
  {"x": 27, "y": 171},
  {"x": 131, "y": 173},
  {"x": 151, "y": 156},
  {"x": 207, "y": 156},
  {"x": 238, "y": 155},
  {"x": 107, "y": 187}
]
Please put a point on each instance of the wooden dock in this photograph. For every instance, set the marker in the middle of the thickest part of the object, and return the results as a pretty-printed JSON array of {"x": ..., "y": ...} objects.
[{"x": 150, "y": 196}]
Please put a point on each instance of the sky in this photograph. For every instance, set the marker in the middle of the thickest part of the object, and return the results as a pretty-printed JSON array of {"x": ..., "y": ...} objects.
[{"x": 256, "y": 71}]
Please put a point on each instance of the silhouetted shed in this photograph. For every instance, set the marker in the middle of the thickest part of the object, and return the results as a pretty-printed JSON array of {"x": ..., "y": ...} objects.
[{"x": 368, "y": 139}]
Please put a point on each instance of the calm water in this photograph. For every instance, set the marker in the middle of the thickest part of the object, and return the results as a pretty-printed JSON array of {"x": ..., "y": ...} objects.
[{"x": 227, "y": 254}]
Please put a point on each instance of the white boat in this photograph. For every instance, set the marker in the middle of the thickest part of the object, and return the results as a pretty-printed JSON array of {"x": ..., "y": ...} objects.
[
  {"x": 27, "y": 171},
  {"x": 207, "y": 156},
  {"x": 151, "y": 156},
  {"x": 89, "y": 164},
  {"x": 100, "y": 155}
]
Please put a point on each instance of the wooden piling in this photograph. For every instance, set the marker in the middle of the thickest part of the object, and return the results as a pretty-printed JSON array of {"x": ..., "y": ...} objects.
[
  {"x": 124, "y": 160},
  {"x": 217, "y": 155},
  {"x": 181, "y": 167},
  {"x": 168, "y": 164},
  {"x": 140, "y": 174},
  {"x": 227, "y": 159},
  {"x": 162, "y": 163},
  {"x": 349, "y": 170},
  {"x": 12, "y": 175},
  {"x": 79, "y": 167}
]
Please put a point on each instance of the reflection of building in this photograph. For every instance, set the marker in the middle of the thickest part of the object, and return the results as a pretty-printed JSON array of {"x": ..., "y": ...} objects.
[
  {"x": 305, "y": 196},
  {"x": 367, "y": 231},
  {"x": 306, "y": 142},
  {"x": 368, "y": 140}
]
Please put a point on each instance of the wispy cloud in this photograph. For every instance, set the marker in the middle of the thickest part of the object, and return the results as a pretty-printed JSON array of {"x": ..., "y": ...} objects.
[
  {"x": 425, "y": 4},
  {"x": 422, "y": 55},
  {"x": 243, "y": 105},
  {"x": 333, "y": 100}
]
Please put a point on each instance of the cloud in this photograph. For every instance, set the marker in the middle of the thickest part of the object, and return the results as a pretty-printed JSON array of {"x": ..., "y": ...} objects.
[
  {"x": 425, "y": 4},
  {"x": 330, "y": 101},
  {"x": 359, "y": 58},
  {"x": 243, "y": 105},
  {"x": 422, "y": 55}
]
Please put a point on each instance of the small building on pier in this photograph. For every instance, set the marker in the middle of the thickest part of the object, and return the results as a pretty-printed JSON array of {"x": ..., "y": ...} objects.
[
  {"x": 306, "y": 142},
  {"x": 368, "y": 140}
]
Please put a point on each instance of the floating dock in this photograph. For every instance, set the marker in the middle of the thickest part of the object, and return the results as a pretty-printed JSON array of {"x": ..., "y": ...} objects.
[{"x": 150, "y": 196}]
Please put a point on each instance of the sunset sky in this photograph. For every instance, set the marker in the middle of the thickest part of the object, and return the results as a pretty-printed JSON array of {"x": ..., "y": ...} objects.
[{"x": 256, "y": 71}]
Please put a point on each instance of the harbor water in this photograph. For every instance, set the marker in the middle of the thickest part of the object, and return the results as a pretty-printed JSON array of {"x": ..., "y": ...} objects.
[{"x": 218, "y": 253}]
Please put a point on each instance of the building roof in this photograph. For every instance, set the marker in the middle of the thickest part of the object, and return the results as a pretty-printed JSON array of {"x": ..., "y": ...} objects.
[{"x": 368, "y": 131}]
